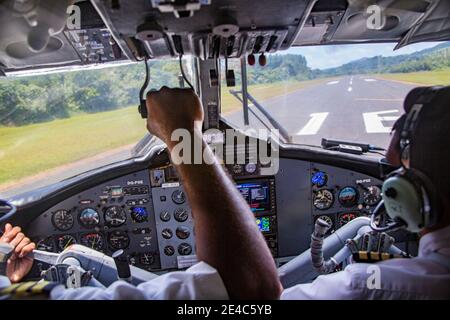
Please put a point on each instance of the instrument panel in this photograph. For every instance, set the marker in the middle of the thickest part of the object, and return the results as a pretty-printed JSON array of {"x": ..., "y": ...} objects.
[
  {"x": 112, "y": 216},
  {"x": 338, "y": 198},
  {"x": 147, "y": 213}
]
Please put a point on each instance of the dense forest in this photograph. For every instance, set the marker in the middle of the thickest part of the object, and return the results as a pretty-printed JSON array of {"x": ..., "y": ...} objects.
[{"x": 41, "y": 98}]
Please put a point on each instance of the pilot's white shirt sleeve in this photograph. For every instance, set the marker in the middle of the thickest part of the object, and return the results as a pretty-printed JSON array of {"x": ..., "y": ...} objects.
[
  {"x": 199, "y": 282},
  {"x": 410, "y": 279},
  {"x": 334, "y": 286}
]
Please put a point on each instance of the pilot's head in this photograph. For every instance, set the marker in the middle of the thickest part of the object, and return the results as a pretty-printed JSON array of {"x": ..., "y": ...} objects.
[{"x": 429, "y": 143}]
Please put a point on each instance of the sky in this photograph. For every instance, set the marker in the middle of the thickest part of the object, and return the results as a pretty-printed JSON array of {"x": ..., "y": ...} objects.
[{"x": 322, "y": 57}]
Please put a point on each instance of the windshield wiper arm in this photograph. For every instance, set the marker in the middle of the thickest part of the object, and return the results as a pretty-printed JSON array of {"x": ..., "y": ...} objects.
[{"x": 283, "y": 132}]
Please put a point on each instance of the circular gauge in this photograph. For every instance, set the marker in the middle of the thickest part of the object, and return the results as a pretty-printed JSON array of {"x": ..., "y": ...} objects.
[
  {"x": 46, "y": 244},
  {"x": 169, "y": 251},
  {"x": 89, "y": 218},
  {"x": 64, "y": 241},
  {"x": 178, "y": 197},
  {"x": 164, "y": 215},
  {"x": 180, "y": 215},
  {"x": 139, "y": 214},
  {"x": 146, "y": 258},
  {"x": 238, "y": 169},
  {"x": 345, "y": 218},
  {"x": 115, "y": 216},
  {"x": 167, "y": 233},
  {"x": 348, "y": 197},
  {"x": 323, "y": 199},
  {"x": 183, "y": 232},
  {"x": 118, "y": 240},
  {"x": 62, "y": 220},
  {"x": 184, "y": 249},
  {"x": 92, "y": 240},
  {"x": 371, "y": 195},
  {"x": 132, "y": 258},
  {"x": 250, "y": 167},
  {"x": 328, "y": 220},
  {"x": 319, "y": 179}
]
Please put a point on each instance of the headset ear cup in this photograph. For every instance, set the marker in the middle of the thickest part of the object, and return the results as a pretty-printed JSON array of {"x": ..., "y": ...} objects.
[
  {"x": 403, "y": 201},
  {"x": 429, "y": 193}
]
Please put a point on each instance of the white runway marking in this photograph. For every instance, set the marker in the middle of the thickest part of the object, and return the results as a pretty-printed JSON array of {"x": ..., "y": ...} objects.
[
  {"x": 370, "y": 80},
  {"x": 374, "y": 121},
  {"x": 333, "y": 82},
  {"x": 350, "y": 89},
  {"x": 314, "y": 124}
]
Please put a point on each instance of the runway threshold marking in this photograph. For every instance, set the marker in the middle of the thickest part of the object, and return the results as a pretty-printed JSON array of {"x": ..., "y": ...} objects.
[
  {"x": 370, "y": 80},
  {"x": 333, "y": 82},
  {"x": 314, "y": 124},
  {"x": 374, "y": 121}
]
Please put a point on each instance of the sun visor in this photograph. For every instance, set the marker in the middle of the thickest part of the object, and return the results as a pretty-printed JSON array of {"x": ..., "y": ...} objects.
[
  {"x": 421, "y": 20},
  {"x": 434, "y": 26},
  {"x": 359, "y": 21}
]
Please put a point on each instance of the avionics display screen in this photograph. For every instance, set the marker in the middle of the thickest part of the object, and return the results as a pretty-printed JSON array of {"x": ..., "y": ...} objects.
[
  {"x": 257, "y": 195},
  {"x": 264, "y": 224}
]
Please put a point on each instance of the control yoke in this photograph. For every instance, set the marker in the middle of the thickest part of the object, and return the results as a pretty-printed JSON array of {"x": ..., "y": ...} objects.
[
  {"x": 348, "y": 241},
  {"x": 102, "y": 270}
]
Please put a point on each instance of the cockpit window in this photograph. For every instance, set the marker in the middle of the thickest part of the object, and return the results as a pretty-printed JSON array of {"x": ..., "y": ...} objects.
[
  {"x": 54, "y": 126},
  {"x": 352, "y": 92}
]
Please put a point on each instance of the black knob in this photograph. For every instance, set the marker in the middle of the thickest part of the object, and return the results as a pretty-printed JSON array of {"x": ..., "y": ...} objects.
[
  {"x": 122, "y": 265},
  {"x": 391, "y": 193}
]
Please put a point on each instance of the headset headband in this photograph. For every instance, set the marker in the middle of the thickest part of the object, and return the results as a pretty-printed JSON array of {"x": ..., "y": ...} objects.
[{"x": 410, "y": 125}]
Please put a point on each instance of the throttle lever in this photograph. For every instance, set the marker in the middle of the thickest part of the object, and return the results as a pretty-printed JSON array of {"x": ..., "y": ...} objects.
[{"x": 122, "y": 265}]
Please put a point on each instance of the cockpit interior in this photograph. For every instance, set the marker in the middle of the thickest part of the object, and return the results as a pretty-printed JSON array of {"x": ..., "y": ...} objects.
[{"x": 132, "y": 213}]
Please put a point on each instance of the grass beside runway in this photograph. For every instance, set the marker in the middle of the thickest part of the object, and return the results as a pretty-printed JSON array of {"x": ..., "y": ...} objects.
[
  {"x": 30, "y": 149},
  {"x": 438, "y": 77}
]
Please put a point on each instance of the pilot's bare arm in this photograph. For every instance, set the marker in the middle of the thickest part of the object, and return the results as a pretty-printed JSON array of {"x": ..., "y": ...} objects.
[{"x": 226, "y": 233}]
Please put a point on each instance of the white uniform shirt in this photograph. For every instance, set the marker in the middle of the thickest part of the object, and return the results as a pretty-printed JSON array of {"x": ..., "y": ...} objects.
[
  {"x": 416, "y": 278},
  {"x": 200, "y": 282}
]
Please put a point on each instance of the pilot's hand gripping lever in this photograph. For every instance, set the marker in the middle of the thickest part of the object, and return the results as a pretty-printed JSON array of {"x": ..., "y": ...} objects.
[{"x": 142, "y": 108}]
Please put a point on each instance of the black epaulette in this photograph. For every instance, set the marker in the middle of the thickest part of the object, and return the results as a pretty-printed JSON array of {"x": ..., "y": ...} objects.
[
  {"x": 370, "y": 256},
  {"x": 28, "y": 290}
]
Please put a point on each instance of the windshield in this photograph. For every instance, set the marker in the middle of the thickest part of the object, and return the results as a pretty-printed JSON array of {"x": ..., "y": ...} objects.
[
  {"x": 54, "y": 126},
  {"x": 343, "y": 92}
]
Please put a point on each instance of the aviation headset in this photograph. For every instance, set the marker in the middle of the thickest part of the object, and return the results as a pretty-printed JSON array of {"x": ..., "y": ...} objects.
[{"x": 409, "y": 197}]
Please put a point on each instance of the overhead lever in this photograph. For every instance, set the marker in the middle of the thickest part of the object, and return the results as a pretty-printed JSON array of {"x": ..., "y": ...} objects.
[{"x": 142, "y": 108}]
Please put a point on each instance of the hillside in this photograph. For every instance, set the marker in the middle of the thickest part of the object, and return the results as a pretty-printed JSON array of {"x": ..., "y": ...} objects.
[{"x": 429, "y": 59}]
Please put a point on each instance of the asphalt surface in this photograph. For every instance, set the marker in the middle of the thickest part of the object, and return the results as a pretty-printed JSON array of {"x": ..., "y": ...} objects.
[{"x": 353, "y": 108}]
